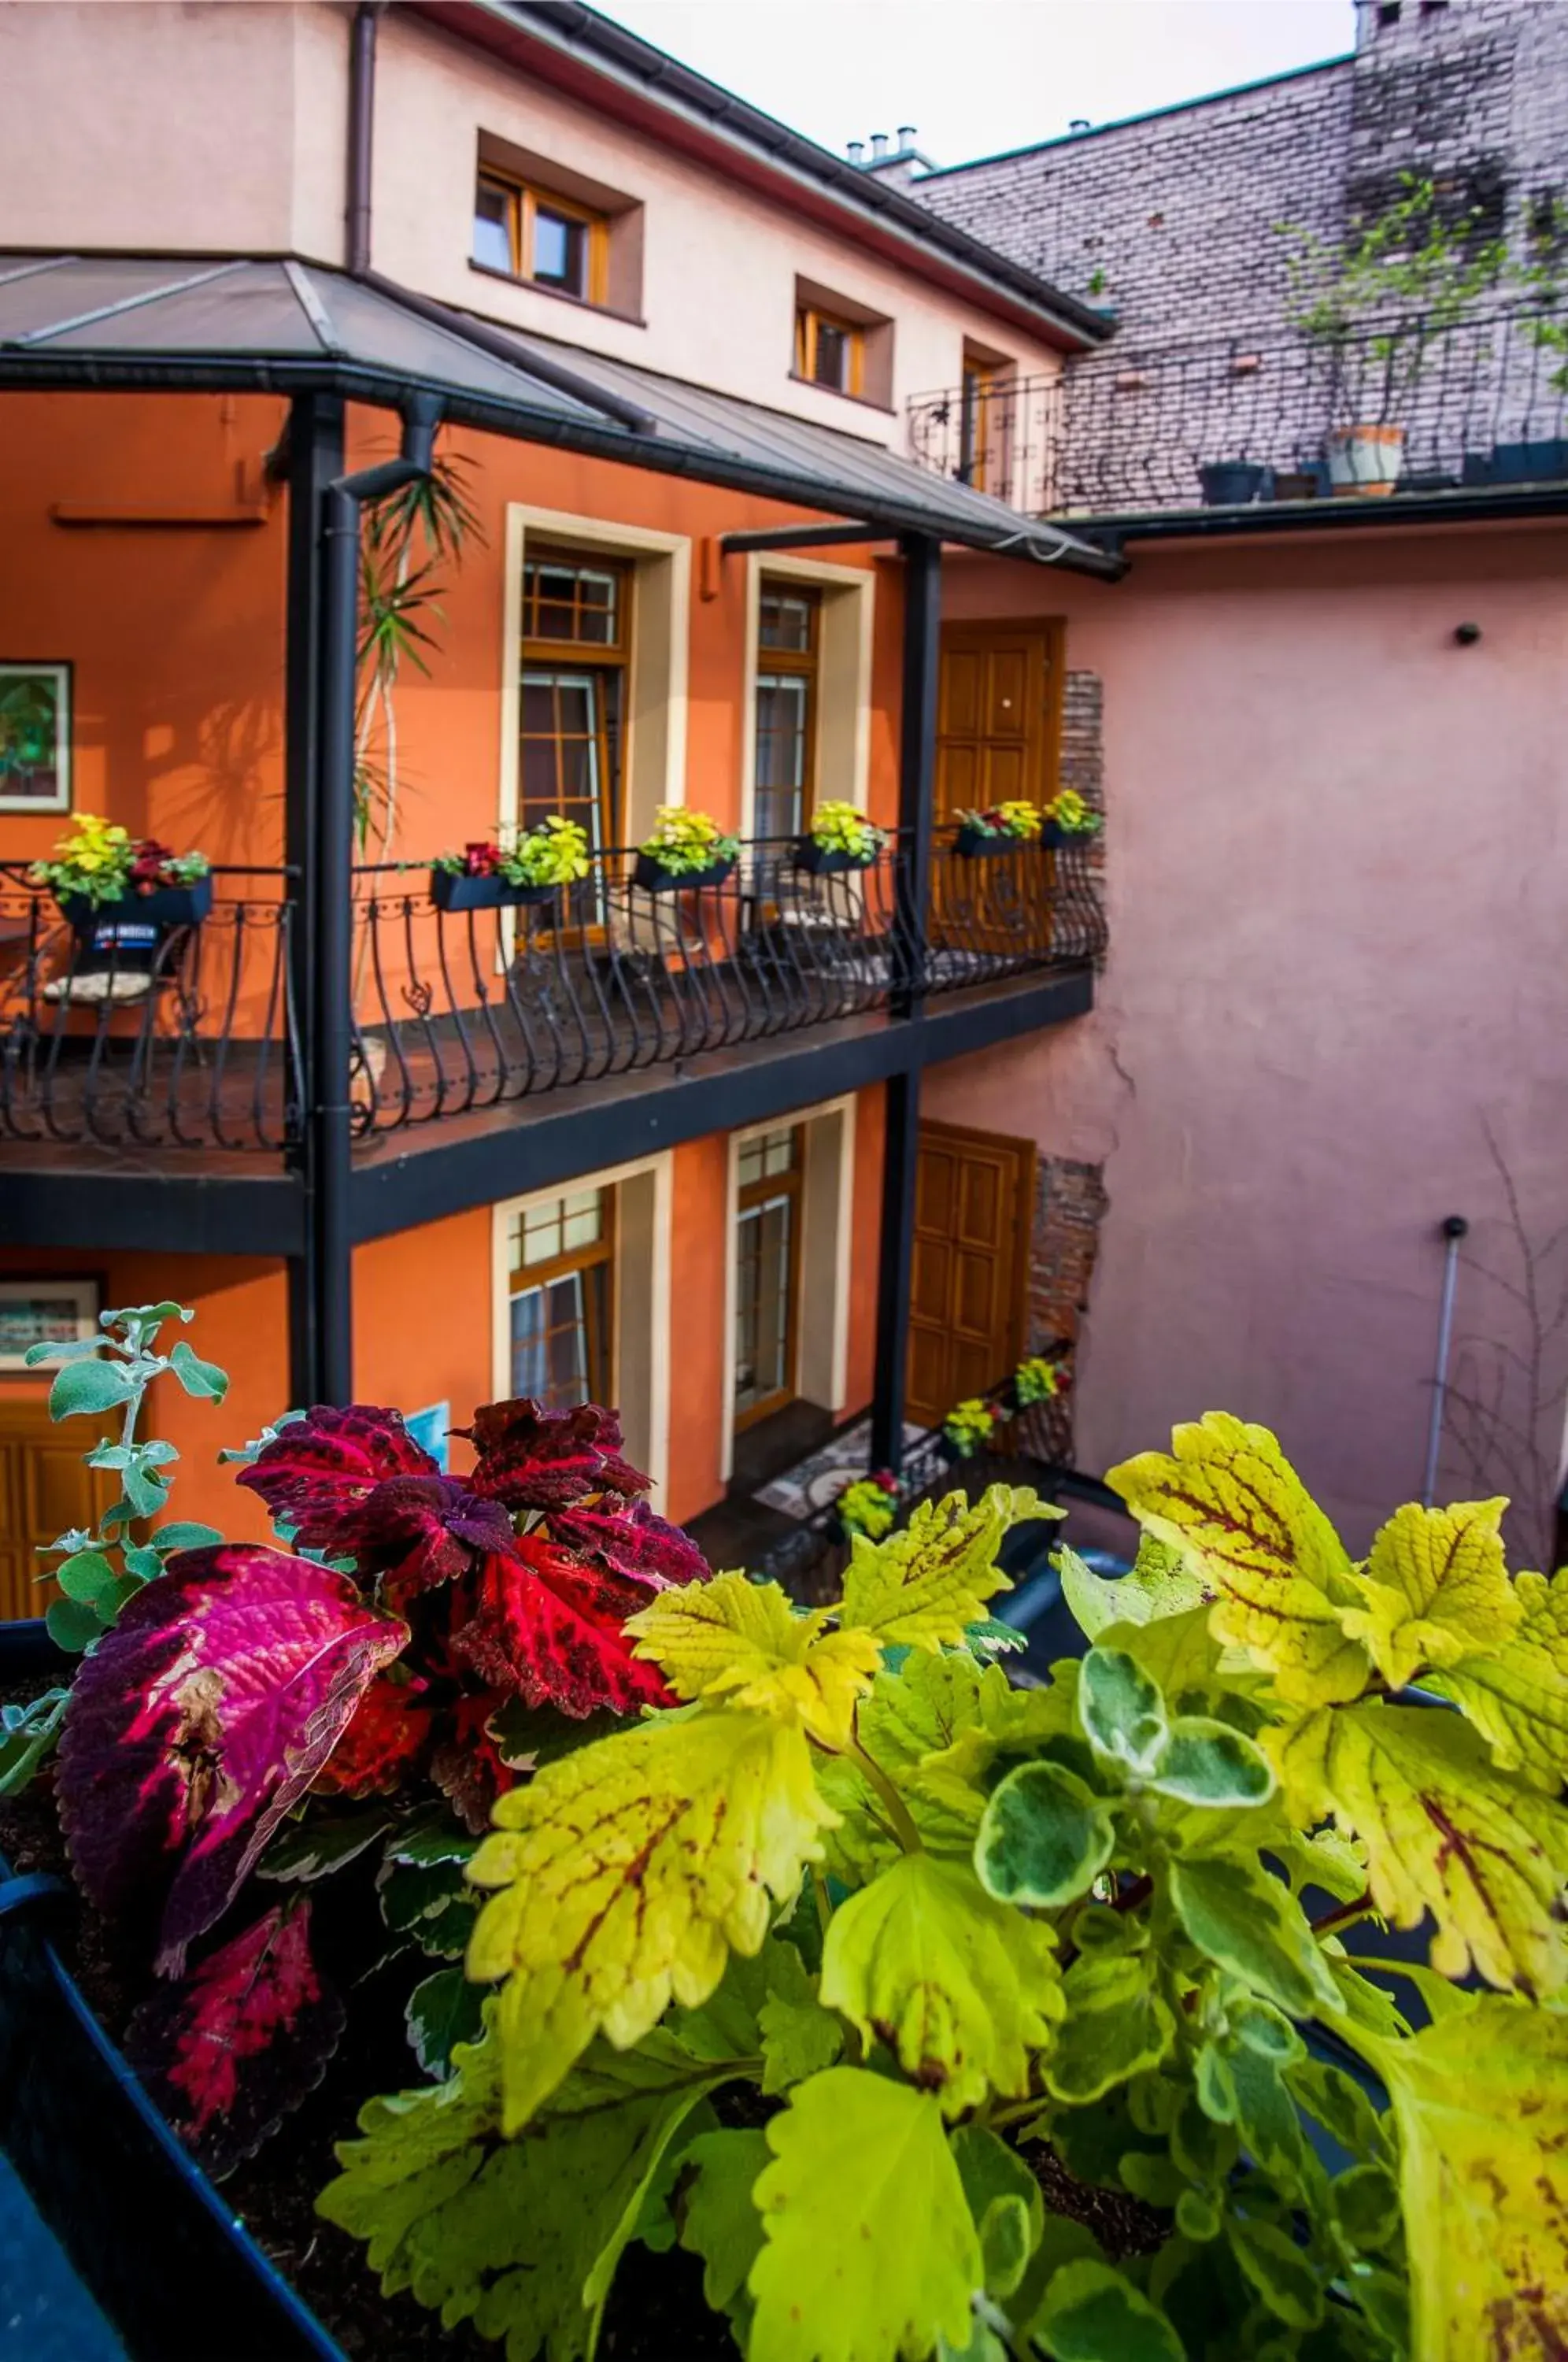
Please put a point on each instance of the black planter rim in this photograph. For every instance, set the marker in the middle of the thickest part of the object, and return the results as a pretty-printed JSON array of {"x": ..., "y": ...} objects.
[
  {"x": 824, "y": 860},
  {"x": 652, "y": 876},
  {"x": 165, "y": 907},
  {"x": 456, "y": 890},
  {"x": 974, "y": 843}
]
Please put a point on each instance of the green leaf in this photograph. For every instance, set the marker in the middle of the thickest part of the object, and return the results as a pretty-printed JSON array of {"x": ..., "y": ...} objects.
[
  {"x": 1005, "y": 2202},
  {"x": 84, "y": 1576},
  {"x": 721, "y": 2222},
  {"x": 1122, "y": 1710},
  {"x": 1365, "y": 2200},
  {"x": 89, "y": 1388},
  {"x": 926, "y": 1584},
  {"x": 1116, "y": 2026},
  {"x": 962, "y": 1988},
  {"x": 435, "y": 1837},
  {"x": 198, "y": 1377},
  {"x": 1238, "y": 2085},
  {"x": 441, "y": 2010},
  {"x": 858, "y": 2163},
  {"x": 1248, "y": 1922},
  {"x": 30, "y": 1733},
  {"x": 49, "y": 1349},
  {"x": 1338, "y": 2102},
  {"x": 144, "y": 1564},
  {"x": 72, "y": 1625},
  {"x": 1044, "y": 1839},
  {"x": 1205, "y": 1762},
  {"x": 541, "y": 1734},
  {"x": 1198, "y": 2217},
  {"x": 433, "y": 1903},
  {"x": 184, "y": 1537},
  {"x": 799, "y": 2036},
  {"x": 1092, "y": 2314},
  {"x": 314, "y": 1847},
  {"x": 1284, "y": 2278},
  {"x": 1159, "y": 1585}
]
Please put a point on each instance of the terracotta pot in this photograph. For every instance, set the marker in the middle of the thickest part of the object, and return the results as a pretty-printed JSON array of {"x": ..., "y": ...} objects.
[{"x": 1366, "y": 460}]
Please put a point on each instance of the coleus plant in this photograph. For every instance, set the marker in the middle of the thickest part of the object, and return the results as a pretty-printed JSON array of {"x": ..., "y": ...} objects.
[
  {"x": 260, "y": 1717},
  {"x": 844, "y": 1968}
]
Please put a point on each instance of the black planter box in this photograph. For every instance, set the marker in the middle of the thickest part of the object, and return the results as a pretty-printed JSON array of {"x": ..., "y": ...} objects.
[
  {"x": 165, "y": 907},
  {"x": 1542, "y": 462},
  {"x": 1056, "y": 838},
  {"x": 974, "y": 844},
  {"x": 823, "y": 862},
  {"x": 456, "y": 893},
  {"x": 1232, "y": 483},
  {"x": 652, "y": 876}
]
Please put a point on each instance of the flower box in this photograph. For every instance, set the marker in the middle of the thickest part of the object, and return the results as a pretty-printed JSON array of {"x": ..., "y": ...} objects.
[
  {"x": 975, "y": 844},
  {"x": 828, "y": 861},
  {"x": 164, "y": 907},
  {"x": 652, "y": 876},
  {"x": 1055, "y": 838},
  {"x": 454, "y": 890}
]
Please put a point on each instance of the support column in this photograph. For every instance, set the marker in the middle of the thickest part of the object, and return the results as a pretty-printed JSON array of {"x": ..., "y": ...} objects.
[
  {"x": 917, "y": 773},
  {"x": 314, "y": 458}
]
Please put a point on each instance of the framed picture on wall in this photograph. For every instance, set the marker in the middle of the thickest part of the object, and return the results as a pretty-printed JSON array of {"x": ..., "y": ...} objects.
[
  {"x": 35, "y": 737},
  {"x": 45, "y": 1311}
]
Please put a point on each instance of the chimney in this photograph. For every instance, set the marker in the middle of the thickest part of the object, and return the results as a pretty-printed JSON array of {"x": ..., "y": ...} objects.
[
  {"x": 856, "y": 151},
  {"x": 878, "y": 146},
  {"x": 906, "y": 137},
  {"x": 1079, "y": 125}
]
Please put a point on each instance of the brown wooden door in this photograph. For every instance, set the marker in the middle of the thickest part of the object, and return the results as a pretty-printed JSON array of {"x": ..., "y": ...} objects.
[
  {"x": 44, "y": 1488},
  {"x": 974, "y": 1193},
  {"x": 996, "y": 715}
]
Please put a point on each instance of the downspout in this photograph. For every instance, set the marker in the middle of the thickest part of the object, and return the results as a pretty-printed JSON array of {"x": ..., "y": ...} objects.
[
  {"x": 1454, "y": 1228},
  {"x": 361, "y": 128}
]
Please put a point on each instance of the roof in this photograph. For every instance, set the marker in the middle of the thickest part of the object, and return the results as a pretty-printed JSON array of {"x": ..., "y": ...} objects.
[
  {"x": 573, "y": 35},
  {"x": 275, "y": 324}
]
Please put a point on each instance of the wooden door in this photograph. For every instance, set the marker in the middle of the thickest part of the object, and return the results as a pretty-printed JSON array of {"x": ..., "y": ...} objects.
[
  {"x": 974, "y": 1196},
  {"x": 44, "y": 1488},
  {"x": 997, "y": 715}
]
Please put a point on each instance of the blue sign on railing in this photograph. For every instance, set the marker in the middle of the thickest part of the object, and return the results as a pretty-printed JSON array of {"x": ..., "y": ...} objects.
[{"x": 431, "y": 1429}]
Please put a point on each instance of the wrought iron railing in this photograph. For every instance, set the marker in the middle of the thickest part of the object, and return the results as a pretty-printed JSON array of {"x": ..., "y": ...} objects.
[
  {"x": 1407, "y": 407},
  {"x": 131, "y": 1033}
]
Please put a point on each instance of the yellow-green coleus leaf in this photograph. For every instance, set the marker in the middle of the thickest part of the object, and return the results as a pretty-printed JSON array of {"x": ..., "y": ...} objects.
[
  {"x": 870, "y": 2250},
  {"x": 961, "y": 1987},
  {"x": 628, "y": 1870},
  {"x": 1481, "y": 2104},
  {"x": 1228, "y": 1499},
  {"x": 740, "y": 1641},
  {"x": 1445, "y": 1831},
  {"x": 1160, "y": 1583},
  {"x": 1436, "y": 1589},
  {"x": 1517, "y": 1696},
  {"x": 923, "y": 1586}
]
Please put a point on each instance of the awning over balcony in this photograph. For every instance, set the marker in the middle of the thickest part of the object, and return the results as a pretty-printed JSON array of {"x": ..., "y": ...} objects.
[{"x": 282, "y": 326}]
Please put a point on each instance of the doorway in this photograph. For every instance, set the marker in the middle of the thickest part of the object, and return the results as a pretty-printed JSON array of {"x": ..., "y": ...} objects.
[
  {"x": 998, "y": 714},
  {"x": 44, "y": 1489},
  {"x": 974, "y": 1199}
]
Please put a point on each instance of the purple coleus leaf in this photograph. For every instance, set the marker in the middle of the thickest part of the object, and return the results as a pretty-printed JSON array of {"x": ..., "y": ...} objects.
[
  {"x": 546, "y": 1626},
  {"x": 532, "y": 1457},
  {"x": 201, "y": 1718},
  {"x": 633, "y": 1542},
  {"x": 354, "y": 1483},
  {"x": 236, "y": 2044}
]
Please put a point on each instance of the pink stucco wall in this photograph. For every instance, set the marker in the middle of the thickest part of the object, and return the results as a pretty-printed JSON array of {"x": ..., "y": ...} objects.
[{"x": 1338, "y": 851}]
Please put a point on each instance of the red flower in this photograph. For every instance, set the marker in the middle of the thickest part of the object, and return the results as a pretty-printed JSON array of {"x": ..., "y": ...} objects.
[
  {"x": 531, "y": 1458},
  {"x": 147, "y": 865}
]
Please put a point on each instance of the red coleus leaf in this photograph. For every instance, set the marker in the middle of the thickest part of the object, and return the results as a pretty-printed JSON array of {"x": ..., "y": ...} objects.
[
  {"x": 546, "y": 1626},
  {"x": 354, "y": 1483},
  {"x": 634, "y": 1542},
  {"x": 532, "y": 1457},
  {"x": 384, "y": 1740},
  {"x": 202, "y": 1717},
  {"x": 468, "y": 1767},
  {"x": 236, "y": 2044}
]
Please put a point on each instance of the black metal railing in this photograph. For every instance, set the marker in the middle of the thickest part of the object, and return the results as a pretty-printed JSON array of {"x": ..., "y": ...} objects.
[
  {"x": 134, "y": 1034},
  {"x": 1402, "y": 408},
  {"x": 460, "y": 1010}
]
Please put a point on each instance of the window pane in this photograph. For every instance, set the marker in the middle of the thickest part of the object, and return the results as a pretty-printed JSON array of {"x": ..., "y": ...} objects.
[
  {"x": 763, "y": 1278},
  {"x": 749, "y": 1162},
  {"x": 561, "y": 251},
  {"x": 832, "y": 357},
  {"x": 777, "y": 1152},
  {"x": 784, "y": 620},
  {"x": 492, "y": 235},
  {"x": 570, "y": 602}
]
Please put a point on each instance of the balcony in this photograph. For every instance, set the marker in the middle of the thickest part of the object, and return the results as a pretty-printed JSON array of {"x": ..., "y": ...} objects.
[
  {"x": 187, "y": 1046},
  {"x": 1474, "y": 407}
]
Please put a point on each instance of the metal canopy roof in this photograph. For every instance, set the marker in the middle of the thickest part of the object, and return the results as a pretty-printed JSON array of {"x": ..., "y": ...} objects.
[{"x": 282, "y": 326}]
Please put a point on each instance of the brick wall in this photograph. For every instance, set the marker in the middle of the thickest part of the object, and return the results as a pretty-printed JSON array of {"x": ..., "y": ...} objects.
[{"x": 1081, "y": 761}]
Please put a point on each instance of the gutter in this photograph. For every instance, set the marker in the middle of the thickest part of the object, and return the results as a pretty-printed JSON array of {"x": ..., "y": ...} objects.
[{"x": 1481, "y": 504}]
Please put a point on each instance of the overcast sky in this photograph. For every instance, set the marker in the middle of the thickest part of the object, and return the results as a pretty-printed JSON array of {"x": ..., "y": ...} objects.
[{"x": 976, "y": 76}]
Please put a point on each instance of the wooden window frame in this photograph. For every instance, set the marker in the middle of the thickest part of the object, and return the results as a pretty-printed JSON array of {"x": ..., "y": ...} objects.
[
  {"x": 599, "y": 1254},
  {"x": 748, "y": 1196},
  {"x": 541, "y": 655},
  {"x": 981, "y": 380},
  {"x": 805, "y": 663},
  {"x": 524, "y": 200},
  {"x": 810, "y": 320}
]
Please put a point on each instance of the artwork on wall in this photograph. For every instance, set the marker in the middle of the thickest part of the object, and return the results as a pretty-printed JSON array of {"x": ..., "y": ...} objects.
[
  {"x": 35, "y": 737},
  {"x": 40, "y": 1311}
]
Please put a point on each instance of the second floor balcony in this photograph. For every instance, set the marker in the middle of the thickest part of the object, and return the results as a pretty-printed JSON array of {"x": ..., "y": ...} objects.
[{"x": 1403, "y": 411}]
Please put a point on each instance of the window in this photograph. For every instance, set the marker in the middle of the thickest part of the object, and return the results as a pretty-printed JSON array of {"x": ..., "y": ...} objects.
[
  {"x": 574, "y": 642},
  {"x": 787, "y": 637},
  {"x": 767, "y": 1247},
  {"x": 548, "y": 240},
  {"x": 975, "y": 425},
  {"x": 560, "y": 1256},
  {"x": 829, "y": 351}
]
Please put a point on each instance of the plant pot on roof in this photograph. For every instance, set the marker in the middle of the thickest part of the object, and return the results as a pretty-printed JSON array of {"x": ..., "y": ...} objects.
[
  {"x": 687, "y": 849},
  {"x": 486, "y": 877},
  {"x": 114, "y": 887},
  {"x": 1232, "y": 483},
  {"x": 841, "y": 837},
  {"x": 999, "y": 828},
  {"x": 1068, "y": 821}
]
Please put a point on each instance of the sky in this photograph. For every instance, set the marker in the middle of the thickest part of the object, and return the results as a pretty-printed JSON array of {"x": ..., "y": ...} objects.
[{"x": 977, "y": 76}]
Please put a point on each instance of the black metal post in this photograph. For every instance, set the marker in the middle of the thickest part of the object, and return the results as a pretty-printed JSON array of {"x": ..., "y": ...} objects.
[
  {"x": 315, "y": 458},
  {"x": 917, "y": 774}
]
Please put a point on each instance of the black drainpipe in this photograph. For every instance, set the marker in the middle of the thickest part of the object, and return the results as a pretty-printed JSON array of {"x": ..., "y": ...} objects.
[{"x": 361, "y": 126}]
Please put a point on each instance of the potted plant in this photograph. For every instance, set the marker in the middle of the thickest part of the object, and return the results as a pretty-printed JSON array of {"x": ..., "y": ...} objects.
[
  {"x": 841, "y": 837},
  {"x": 487, "y": 877},
  {"x": 686, "y": 849},
  {"x": 1232, "y": 483},
  {"x": 1398, "y": 284},
  {"x": 868, "y": 1505},
  {"x": 101, "y": 875},
  {"x": 1067, "y": 820},
  {"x": 970, "y": 1427},
  {"x": 1036, "y": 1380},
  {"x": 998, "y": 829}
]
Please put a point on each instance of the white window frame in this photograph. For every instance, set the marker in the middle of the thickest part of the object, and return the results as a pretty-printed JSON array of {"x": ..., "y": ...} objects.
[{"x": 840, "y": 757}]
